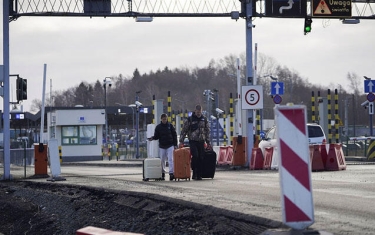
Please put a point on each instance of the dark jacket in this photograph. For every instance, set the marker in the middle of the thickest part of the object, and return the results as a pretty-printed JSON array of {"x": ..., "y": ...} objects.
[
  {"x": 196, "y": 129},
  {"x": 166, "y": 134}
]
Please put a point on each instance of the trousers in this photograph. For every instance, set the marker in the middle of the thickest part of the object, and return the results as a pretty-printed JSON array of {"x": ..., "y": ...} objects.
[
  {"x": 166, "y": 155},
  {"x": 197, "y": 153}
]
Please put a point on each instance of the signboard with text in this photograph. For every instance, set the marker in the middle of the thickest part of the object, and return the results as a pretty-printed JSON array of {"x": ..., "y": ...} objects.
[{"x": 331, "y": 8}]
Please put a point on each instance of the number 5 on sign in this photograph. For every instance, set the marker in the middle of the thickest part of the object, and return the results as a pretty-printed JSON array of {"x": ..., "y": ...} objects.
[{"x": 252, "y": 97}]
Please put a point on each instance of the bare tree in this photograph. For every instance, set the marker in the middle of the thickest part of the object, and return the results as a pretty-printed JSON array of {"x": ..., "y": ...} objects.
[{"x": 354, "y": 83}]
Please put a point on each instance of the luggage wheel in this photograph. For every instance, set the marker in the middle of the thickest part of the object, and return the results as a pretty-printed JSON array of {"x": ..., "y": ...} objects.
[{"x": 145, "y": 179}]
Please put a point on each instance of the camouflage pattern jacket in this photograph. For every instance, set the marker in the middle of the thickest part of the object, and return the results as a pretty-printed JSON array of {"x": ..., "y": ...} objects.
[{"x": 196, "y": 129}]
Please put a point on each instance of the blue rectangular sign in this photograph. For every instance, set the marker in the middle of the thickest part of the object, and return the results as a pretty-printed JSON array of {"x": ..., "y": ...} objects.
[
  {"x": 277, "y": 88},
  {"x": 369, "y": 86}
]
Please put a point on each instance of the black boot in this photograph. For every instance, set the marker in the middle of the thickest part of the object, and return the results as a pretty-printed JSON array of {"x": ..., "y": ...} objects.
[
  {"x": 162, "y": 176},
  {"x": 194, "y": 175},
  {"x": 171, "y": 176}
]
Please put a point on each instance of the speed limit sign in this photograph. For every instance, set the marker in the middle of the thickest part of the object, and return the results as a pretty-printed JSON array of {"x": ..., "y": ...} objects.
[{"x": 252, "y": 97}]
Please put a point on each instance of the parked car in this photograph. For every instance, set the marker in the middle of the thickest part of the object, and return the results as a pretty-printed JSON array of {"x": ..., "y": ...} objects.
[{"x": 315, "y": 134}]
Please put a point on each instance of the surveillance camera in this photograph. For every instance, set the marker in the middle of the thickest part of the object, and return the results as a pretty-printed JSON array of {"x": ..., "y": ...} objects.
[
  {"x": 219, "y": 111},
  {"x": 250, "y": 25},
  {"x": 139, "y": 104},
  {"x": 365, "y": 104},
  {"x": 110, "y": 84},
  {"x": 213, "y": 117}
]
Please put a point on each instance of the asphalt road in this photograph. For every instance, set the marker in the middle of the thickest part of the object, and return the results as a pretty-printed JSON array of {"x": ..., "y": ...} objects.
[{"x": 344, "y": 201}]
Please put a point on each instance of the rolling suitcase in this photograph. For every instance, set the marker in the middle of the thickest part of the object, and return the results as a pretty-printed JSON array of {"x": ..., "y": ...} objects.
[
  {"x": 181, "y": 163},
  {"x": 152, "y": 169},
  {"x": 209, "y": 164}
]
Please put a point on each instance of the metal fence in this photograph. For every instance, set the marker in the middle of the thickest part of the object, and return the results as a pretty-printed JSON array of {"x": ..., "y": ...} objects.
[{"x": 19, "y": 157}]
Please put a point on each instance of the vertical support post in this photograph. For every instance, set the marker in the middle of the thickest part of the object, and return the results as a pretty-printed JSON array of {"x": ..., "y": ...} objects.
[
  {"x": 249, "y": 75},
  {"x": 225, "y": 130},
  {"x": 312, "y": 107},
  {"x": 337, "y": 117},
  {"x": 329, "y": 117},
  {"x": 6, "y": 97},
  {"x": 137, "y": 123},
  {"x": 231, "y": 126},
  {"x": 169, "y": 99}
]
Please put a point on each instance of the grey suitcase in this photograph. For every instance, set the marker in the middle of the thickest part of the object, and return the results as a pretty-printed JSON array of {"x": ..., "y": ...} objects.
[{"x": 152, "y": 169}]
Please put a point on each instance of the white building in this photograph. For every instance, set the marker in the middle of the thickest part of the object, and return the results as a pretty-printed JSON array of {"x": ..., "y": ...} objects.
[{"x": 78, "y": 132}]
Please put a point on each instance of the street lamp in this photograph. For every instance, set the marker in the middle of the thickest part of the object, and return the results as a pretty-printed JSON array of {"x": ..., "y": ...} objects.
[
  {"x": 138, "y": 105},
  {"x": 132, "y": 106},
  {"x": 106, "y": 81}
]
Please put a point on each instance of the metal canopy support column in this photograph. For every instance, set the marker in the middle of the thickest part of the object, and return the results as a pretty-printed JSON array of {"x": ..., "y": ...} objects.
[
  {"x": 6, "y": 97},
  {"x": 249, "y": 75}
]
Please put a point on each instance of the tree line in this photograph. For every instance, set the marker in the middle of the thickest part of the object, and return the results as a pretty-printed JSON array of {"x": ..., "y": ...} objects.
[{"x": 186, "y": 86}]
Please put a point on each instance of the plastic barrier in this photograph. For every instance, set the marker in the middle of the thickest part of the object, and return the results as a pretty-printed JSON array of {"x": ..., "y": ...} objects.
[
  {"x": 239, "y": 152},
  {"x": 275, "y": 159},
  {"x": 222, "y": 155},
  {"x": 316, "y": 158},
  {"x": 324, "y": 153},
  {"x": 268, "y": 152},
  {"x": 229, "y": 154},
  {"x": 90, "y": 230},
  {"x": 256, "y": 162},
  {"x": 336, "y": 158}
]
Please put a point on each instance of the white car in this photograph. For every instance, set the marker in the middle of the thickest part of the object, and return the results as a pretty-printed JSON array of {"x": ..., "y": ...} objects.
[{"x": 315, "y": 133}]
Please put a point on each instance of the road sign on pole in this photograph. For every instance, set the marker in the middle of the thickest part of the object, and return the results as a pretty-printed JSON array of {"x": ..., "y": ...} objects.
[
  {"x": 371, "y": 108},
  {"x": 252, "y": 97},
  {"x": 369, "y": 86},
  {"x": 277, "y": 88}
]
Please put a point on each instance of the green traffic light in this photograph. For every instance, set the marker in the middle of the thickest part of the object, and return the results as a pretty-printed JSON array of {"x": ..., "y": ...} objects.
[{"x": 307, "y": 29}]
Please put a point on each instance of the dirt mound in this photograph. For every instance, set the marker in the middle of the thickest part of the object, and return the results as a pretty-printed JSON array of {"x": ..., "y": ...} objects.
[{"x": 44, "y": 208}]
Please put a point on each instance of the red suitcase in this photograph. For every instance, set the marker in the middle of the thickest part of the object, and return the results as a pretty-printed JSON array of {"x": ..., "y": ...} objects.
[{"x": 181, "y": 163}]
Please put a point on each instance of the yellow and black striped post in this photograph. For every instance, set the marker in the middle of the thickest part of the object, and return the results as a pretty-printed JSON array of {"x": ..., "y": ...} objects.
[
  {"x": 181, "y": 119},
  {"x": 173, "y": 118},
  {"x": 231, "y": 129},
  {"x": 153, "y": 109},
  {"x": 336, "y": 117},
  {"x": 225, "y": 129},
  {"x": 329, "y": 117},
  {"x": 312, "y": 107},
  {"x": 109, "y": 151},
  {"x": 117, "y": 151},
  {"x": 371, "y": 150},
  {"x": 102, "y": 152},
  {"x": 60, "y": 154},
  {"x": 258, "y": 122},
  {"x": 317, "y": 111},
  {"x": 169, "y": 107}
]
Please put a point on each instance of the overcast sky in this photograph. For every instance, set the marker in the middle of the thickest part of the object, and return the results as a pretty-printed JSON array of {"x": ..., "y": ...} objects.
[{"x": 84, "y": 49}]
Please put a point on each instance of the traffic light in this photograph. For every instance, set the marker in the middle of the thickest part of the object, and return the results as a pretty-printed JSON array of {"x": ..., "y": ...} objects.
[
  {"x": 21, "y": 89},
  {"x": 307, "y": 28}
]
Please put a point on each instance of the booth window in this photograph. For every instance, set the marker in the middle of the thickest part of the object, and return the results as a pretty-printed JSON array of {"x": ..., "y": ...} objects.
[{"x": 78, "y": 135}]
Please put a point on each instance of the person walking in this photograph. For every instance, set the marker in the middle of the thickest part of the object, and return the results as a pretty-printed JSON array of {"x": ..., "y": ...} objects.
[
  {"x": 165, "y": 132},
  {"x": 197, "y": 129}
]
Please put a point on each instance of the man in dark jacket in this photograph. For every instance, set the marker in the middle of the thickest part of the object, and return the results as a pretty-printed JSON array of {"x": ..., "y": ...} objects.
[
  {"x": 197, "y": 129},
  {"x": 167, "y": 136}
]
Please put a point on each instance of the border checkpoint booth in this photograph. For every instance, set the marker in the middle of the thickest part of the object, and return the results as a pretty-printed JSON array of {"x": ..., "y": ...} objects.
[{"x": 78, "y": 131}]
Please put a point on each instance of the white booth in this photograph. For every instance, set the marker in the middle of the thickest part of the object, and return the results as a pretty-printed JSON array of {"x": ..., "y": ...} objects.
[{"x": 78, "y": 132}]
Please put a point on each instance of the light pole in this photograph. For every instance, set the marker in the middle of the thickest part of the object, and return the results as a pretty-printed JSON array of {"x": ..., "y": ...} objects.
[
  {"x": 106, "y": 81},
  {"x": 138, "y": 105},
  {"x": 132, "y": 106}
]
